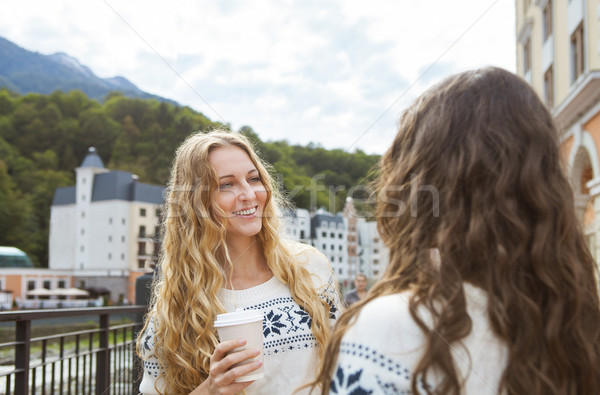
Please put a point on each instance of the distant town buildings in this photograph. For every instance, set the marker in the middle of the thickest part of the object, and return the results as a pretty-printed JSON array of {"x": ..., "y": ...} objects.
[
  {"x": 558, "y": 53},
  {"x": 351, "y": 243}
]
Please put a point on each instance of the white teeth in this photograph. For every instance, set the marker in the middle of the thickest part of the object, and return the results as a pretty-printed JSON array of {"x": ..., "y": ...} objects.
[{"x": 250, "y": 211}]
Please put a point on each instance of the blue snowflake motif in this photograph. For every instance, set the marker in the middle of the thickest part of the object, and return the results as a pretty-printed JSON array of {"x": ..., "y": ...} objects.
[
  {"x": 146, "y": 340},
  {"x": 350, "y": 384},
  {"x": 272, "y": 324},
  {"x": 305, "y": 317},
  {"x": 332, "y": 309}
]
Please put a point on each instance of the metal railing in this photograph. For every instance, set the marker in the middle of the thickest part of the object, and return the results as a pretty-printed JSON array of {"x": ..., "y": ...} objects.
[{"x": 101, "y": 360}]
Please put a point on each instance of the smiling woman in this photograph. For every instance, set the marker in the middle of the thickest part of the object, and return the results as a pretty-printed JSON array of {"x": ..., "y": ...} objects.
[{"x": 223, "y": 252}]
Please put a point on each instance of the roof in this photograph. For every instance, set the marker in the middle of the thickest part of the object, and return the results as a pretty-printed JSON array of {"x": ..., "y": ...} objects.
[
  {"x": 63, "y": 196},
  {"x": 114, "y": 185},
  {"x": 14, "y": 257},
  {"x": 318, "y": 220},
  {"x": 92, "y": 159}
]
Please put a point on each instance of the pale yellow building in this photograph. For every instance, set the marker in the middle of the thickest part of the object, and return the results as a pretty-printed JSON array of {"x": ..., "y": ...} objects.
[{"x": 558, "y": 53}]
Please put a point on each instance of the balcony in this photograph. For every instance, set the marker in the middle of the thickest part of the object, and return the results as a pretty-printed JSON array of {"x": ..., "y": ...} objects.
[{"x": 99, "y": 360}]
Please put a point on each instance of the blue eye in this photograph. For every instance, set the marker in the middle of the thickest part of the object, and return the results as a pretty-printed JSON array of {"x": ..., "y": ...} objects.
[
  {"x": 254, "y": 179},
  {"x": 226, "y": 185}
]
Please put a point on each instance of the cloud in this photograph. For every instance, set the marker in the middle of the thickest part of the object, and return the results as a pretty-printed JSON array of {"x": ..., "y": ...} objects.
[{"x": 336, "y": 73}]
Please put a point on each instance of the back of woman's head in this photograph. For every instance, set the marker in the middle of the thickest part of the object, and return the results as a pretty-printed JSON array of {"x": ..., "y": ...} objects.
[{"x": 474, "y": 171}]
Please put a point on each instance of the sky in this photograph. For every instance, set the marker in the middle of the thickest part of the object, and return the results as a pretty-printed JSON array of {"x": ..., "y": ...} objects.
[{"x": 337, "y": 73}]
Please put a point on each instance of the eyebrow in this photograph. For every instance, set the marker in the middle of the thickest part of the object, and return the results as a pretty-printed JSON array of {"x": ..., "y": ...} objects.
[{"x": 231, "y": 175}]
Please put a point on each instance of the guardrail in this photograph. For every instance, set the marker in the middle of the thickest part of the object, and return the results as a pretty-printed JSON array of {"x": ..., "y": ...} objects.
[{"x": 97, "y": 361}]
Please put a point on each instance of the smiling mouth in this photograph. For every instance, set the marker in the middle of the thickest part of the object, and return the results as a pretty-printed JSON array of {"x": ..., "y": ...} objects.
[{"x": 248, "y": 211}]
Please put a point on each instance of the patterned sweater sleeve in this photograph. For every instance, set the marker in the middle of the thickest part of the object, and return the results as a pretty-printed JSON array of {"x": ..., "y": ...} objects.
[
  {"x": 324, "y": 281},
  {"x": 152, "y": 370},
  {"x": 379, "y": 351}
]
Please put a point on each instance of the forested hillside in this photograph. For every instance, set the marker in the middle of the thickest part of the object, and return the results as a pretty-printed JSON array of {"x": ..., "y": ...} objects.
[{"x": 43, "y": 138}]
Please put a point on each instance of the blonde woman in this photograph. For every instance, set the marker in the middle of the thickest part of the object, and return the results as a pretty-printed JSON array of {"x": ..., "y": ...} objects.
[
  {"x": 490, "y": 287},
  {"x": 222, "y": 251}
]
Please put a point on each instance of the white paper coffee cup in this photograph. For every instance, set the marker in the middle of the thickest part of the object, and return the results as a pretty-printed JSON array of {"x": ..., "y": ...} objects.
[{"x": 246, "y": 324}]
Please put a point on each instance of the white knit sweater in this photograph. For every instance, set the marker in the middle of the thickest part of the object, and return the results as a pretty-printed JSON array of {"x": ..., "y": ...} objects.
[
  {"x": 380, "y": 351},
  {"x": 290, "y": 353}
]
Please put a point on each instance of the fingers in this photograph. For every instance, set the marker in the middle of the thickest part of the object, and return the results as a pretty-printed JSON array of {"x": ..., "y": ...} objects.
[
  {"x": 229, "y": 363},
  {"x": 223, "y": 348}
]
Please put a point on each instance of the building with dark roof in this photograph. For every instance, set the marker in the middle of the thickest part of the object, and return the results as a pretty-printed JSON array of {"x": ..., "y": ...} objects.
[{"x": 105, "y": 229}]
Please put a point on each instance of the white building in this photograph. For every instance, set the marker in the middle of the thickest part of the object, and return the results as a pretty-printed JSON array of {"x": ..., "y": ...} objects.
[
  {"x": 296, "y": 225},
  {"x": 105, "y": 228},
  {"x": 330, "y": 236},
  {"x": 373, "y": 254}
]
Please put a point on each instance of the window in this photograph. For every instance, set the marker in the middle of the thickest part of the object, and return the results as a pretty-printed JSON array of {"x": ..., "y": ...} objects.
[
  {"x": 375, "y": 261},
  {"x": 109, "y": 256},
  {"x": 547, "y": 20},
  {"x": 81, "y": 248},
  {"x": 83, "y": 214},
  {"x": 122, "y": 257},
  {"x": 47, "y": 284},
  {"x": 142, "y": 231},
  {"x": 332, "y": 235},
  {"x": 332, "y": 247},
  {"x": 109, "y": 238},
  {"x": 549, "y": 87},
  {"x": 527, "y": 55},
  {"x": 324, "y": 247},
  {"x": 340, "y": 247},
  {"x": 123, "y": 239},
  {"x": 301, "y": 234},
  {"x": 30, "y": 285},
  {"x": 156, "y": 232},
  {"x": 141, "y": 263},
  {"x": 375, "y": 251},
  {"x": 142, "y": 248},
  {"x": 62, "y": 284},
  {"x": 82, "y": 284},
  {"x": 158, "y": 212},
  {"x": 324, "y": 234},
  {"x": 82, "y": 231},
  {"x": 577, "y": 54},
  {"x": 142, "y": 212},
  {"x": 123, "y": 221},
  {"x": 110, "y": 221},
  {"x": 340, "y": 259},
  {"x": 340, "y": 236}
]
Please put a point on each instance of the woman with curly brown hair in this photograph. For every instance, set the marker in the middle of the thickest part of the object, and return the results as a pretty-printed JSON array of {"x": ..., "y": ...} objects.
[
  {"x": 223, "y": 251},
  {"x": 490, "y": 288}
]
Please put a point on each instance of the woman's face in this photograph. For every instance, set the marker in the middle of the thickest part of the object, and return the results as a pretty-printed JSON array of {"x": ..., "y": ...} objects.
[{"x": 241, "y": 193}]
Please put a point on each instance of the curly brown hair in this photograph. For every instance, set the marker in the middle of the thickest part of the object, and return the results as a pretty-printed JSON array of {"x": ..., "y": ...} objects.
[{"x": 500, "y": 210}]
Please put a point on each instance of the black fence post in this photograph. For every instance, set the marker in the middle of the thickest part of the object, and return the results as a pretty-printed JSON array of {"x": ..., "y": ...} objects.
[
  {"x": 23, "y": 337},
  {"x": 103, "y": 358},
  {"x": 143, "y": 293}
]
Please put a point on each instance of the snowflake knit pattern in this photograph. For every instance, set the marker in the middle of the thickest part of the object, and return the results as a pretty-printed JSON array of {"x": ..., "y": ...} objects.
[{"x": 379, "y": 352}]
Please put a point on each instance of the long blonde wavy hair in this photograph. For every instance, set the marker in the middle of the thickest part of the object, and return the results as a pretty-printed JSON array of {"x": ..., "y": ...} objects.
[
  {"x": 504, "y": 220},
  {"x": 191, "y": 268}
]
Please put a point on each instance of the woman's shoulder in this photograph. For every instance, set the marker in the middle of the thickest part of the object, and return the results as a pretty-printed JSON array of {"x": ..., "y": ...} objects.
[
  {"x": 313, "y": 259},
  {"x": 383, "y": 318}
]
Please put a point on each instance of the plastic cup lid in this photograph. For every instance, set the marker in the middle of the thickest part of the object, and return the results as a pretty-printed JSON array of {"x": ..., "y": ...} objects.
[{"x": 238, "y": 317}]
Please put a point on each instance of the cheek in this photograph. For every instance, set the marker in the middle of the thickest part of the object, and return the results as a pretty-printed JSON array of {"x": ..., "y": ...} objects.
[
  {"x": 261, "y": 194},
  {"x": 225, "y": 200}
]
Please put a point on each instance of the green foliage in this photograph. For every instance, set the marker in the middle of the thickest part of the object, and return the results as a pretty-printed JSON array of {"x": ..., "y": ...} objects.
[{"x": 43, "y": 138}]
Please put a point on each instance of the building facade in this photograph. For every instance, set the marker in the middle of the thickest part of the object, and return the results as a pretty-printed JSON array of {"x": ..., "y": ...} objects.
[
  {"x": 558, "y": 53},
  {"x": 104, "y": 231},
  {"x": 350, "y": 242}
]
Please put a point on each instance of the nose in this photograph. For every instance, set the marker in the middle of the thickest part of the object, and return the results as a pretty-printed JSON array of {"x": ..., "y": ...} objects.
[{"x": 247, "y": 192}]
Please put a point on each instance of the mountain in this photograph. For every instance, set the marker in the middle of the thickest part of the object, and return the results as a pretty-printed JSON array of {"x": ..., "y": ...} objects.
[{"x": 23, "y": 71}]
